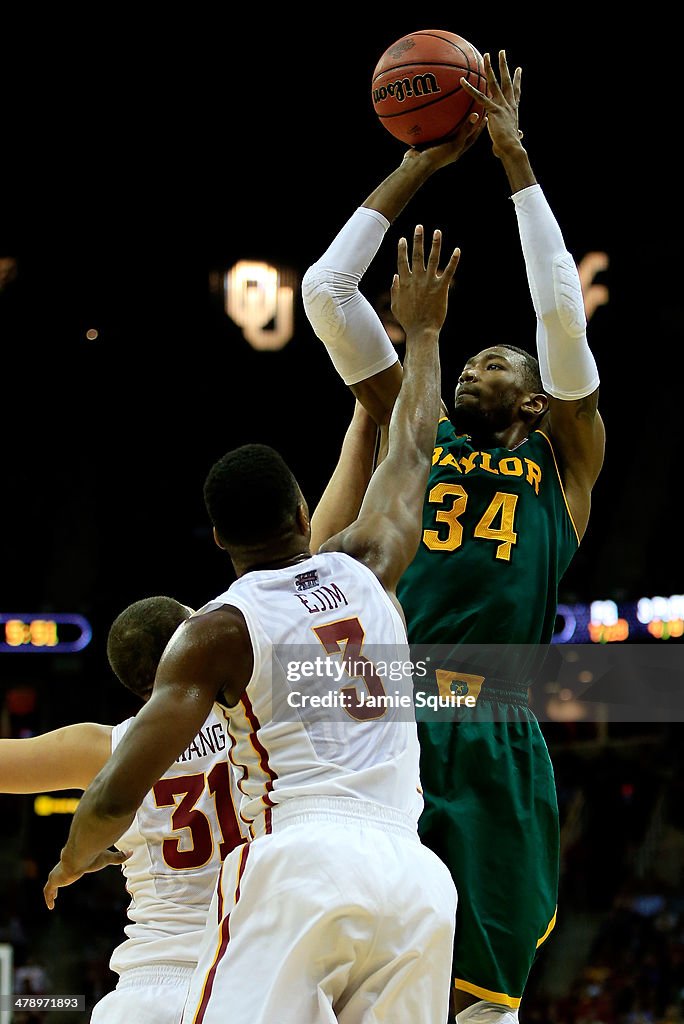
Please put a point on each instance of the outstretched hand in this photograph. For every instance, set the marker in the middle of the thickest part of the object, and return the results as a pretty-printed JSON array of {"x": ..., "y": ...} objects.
[
  {"x": 62, "y": 875},
  {"x": 501, "y": 105},
  {"x": 419, "y": 293}
]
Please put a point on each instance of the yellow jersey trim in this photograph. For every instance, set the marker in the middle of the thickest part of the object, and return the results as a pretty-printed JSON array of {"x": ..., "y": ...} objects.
[
  {"x": 553, "y": 456},
  {"x": 500, "y": 997},
  {"x": 552, "y": 924},
  {"x": 487, "y": 994}
]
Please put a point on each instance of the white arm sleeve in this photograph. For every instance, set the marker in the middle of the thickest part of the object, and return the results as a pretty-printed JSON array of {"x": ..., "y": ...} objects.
[
  {"x": 568, "y": 369},
  {"x": 340, "y": 315}
]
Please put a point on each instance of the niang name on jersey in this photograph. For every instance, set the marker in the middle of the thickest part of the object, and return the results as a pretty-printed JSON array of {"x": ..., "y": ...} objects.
[
  {"x": 209, "y": 740},
  {"x": 509, "y": 465}
]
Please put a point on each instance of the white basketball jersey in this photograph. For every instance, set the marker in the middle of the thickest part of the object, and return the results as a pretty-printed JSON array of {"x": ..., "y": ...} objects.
[
  {"x": 183, "y": 829},
  {"x": 323, "y": 714}
]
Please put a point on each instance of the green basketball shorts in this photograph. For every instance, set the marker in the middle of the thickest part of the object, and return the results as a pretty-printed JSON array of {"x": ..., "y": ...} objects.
[{"x": 491, "y": 814}]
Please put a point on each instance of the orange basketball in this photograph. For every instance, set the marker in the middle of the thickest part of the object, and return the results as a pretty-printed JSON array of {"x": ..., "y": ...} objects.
[{"x": 416, "y": 87}]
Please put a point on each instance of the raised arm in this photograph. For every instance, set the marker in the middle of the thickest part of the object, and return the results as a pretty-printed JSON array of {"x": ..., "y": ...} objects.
[
  {"x": 339, "y": 313},
  {"x": 386, "y": 534},
  {"x": 341, "y": 500},
  {"x": 568, "y": 369},
  {"x": 67, "y": 758}
]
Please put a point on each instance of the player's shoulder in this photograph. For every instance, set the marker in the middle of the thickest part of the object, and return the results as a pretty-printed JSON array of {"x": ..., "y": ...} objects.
[
  {"x": 541, "y": 440},
  {"x": 445, "y": 429},
  {"x": 219, "y": 622}
]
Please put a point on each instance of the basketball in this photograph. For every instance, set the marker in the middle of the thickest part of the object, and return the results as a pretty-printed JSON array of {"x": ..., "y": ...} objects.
[{"x": 416, "y": 87}]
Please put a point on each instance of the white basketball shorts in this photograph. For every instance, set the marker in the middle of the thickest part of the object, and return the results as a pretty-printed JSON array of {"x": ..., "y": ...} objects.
[
  {"x": 145, "y": 995},
  {"x": 334, "y": 918}
]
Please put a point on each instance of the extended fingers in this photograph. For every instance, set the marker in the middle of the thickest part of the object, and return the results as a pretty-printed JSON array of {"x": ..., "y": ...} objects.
[
  {"x": 505, "y": 75},
  {"x": 492, "y": 81},
  {"x": 417, "y": 265},
  {"x": 509, "y": 88},
  {"x": 418, "y": 259},
  {"x": 450, "y": 268},
  {"x": 517, "y": 85},
  {"x": 472, "y": 91},
  {"x": 402, "y": 258},
  {"x": 417, "y": 256},
  {"x": 435, "y": 250}
]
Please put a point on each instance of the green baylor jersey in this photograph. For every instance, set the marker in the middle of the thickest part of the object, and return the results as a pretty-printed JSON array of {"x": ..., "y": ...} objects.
[{"x": 497, "y": 538}]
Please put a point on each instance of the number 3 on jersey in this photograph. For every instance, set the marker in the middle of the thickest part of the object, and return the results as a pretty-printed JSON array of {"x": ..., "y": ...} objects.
[
  {"x": 455, "y": 498},
  {"x": 350, "y": 634}
]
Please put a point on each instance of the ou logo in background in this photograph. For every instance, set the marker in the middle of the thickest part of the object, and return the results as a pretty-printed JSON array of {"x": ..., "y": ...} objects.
[{"x": 259, "y": 298}]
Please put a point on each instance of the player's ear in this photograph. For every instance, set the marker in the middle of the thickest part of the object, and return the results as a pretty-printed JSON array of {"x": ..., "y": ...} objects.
[
  {"x": 535, "y": 405},
  {"x": 302, "y": 518},
  {"x": 217, "y": 539}
]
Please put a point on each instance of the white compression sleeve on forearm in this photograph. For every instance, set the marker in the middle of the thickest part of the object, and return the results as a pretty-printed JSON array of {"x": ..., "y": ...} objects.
[
  {"x": 341, "y": 316},
  {"x": 568, "y": 369}
]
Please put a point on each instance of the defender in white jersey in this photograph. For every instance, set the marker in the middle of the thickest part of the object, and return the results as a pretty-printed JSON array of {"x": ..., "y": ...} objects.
[
  {"x": 185, "y": 826},
  {"x": 173, "y": 850},
  {"x": 282, "y": 747},
  {"x": 334, "y": 911}
]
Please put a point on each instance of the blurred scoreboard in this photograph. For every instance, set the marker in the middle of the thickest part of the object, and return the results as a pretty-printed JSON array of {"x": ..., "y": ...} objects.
[
  {"x": 601, "y": 622},
  {"x": 43, "y": 633}
]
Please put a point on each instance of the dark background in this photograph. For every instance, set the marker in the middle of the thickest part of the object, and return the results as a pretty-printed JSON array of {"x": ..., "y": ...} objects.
[
  {"x": 138, "y": 160},
  {"x": 136, "y": 171}
]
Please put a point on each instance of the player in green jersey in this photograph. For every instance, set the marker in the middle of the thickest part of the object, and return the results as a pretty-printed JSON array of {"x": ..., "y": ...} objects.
[{"x": 507, "y": 503}]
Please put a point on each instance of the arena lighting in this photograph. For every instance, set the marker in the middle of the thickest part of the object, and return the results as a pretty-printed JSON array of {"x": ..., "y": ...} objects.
[
  {"x": 607, "y": 621},
  {"x": 44, "y": 806},
  {"x": 43, "y": 632},
  {"x": 259, "y": 298}
]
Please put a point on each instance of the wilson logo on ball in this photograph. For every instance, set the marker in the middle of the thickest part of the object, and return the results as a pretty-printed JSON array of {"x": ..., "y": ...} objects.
[
  {"x": 405, "y": 88},
  {"x": 416, "y": 86}
]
